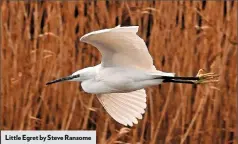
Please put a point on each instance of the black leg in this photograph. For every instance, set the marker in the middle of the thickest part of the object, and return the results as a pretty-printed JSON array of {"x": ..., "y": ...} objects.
[
  {"x": 177, "y": 78},
  {"x": 178, "y": 81}
]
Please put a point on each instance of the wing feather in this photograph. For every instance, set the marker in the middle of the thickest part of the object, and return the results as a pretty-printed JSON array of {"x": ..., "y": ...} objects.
[
  {"x": 120, "y": 46},
  {"x": 125, "y": 108},
  {"x": 112, "y": 110}
]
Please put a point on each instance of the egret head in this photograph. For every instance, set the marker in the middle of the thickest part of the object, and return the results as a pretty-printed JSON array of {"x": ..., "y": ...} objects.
[{"x": 79, "y": 75}]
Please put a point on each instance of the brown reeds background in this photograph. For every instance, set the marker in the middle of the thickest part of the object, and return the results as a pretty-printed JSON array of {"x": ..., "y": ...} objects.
[{"x": 40, "y": 42}]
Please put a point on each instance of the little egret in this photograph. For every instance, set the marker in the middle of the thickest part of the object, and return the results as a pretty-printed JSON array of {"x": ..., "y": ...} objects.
[{"x": 126, "y": 69}]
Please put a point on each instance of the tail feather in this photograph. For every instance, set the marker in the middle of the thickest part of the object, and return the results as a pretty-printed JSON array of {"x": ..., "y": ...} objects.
[{"x": 160, "y": 73}]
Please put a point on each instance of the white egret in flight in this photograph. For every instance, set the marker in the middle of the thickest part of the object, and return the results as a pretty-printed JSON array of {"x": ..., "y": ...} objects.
[{"x": 126, "y": 69}]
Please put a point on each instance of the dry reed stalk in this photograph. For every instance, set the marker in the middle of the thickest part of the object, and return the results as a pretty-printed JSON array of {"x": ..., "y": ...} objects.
[
  {"x": 198, "y": 112},
  {"x": 169, "y": 135},
  {"x": 39, "y": 42},
  {"x": 161, "y": 117}
]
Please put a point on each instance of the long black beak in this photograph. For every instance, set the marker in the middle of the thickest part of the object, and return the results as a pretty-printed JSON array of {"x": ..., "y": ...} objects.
[{"x": 63, "y": 79}]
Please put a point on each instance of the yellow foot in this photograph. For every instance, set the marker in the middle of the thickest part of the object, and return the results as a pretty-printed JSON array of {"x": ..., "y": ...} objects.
[{"x": 206, "y": 77}]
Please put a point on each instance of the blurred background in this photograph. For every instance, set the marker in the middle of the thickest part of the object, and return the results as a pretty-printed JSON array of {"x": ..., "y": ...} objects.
[{"x": 40, "y": 42}]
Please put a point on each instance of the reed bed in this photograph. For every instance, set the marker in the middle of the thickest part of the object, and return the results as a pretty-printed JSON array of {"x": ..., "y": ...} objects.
[{"x": 40, "y": 42}]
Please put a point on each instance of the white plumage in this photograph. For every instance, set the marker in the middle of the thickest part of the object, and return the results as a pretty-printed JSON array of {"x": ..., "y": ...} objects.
[
  {"x": 125, "y": 108},
  {"x": 126, "y": 69},
  {"x": 120, "y": 46}
]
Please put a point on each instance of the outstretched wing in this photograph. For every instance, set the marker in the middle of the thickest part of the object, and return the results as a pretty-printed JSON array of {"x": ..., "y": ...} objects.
[
  {"x": 120, "y": 46},
  {"x": 125, "y": 108}
]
